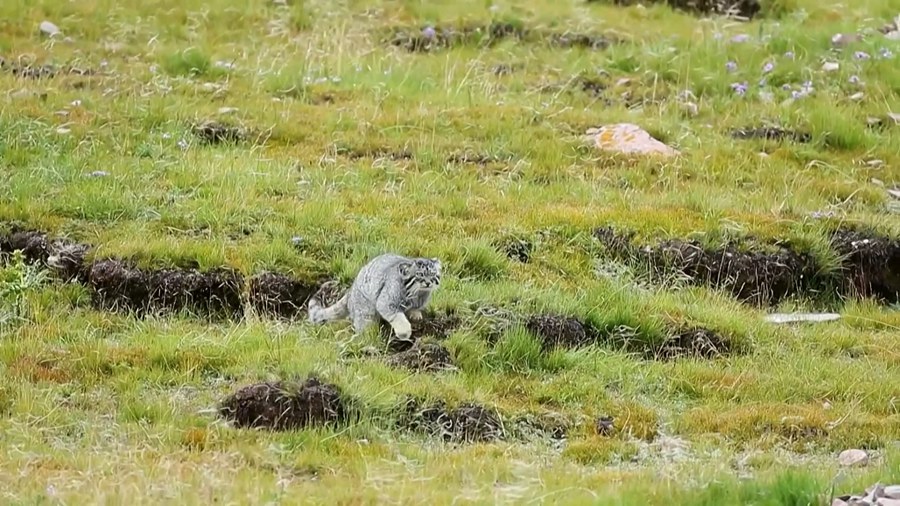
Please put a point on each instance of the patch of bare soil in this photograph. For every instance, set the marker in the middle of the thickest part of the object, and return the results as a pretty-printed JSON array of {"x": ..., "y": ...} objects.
[
  {"x": 422, "y": 356},
  {"x": 275, "y": 294},
  {"x": 65, "y": 257},
  {"x": 560, "y": 331},
  {"x": 375, "y": 153},
  {"x": 26, "y": 69},
  {"x": 740, "y": 8},
  {"x": 693, "y": 342},
  {"x": 433, "y": 324},
  {"x": 215, "y": 132},
  {"x": 755, "y": 276},
  {"x": 466, "y": 423},
  {"x": 427, "y": 39},
  {"x": 870, "y": 264},
  {"x": 772, "y": 134},
  {"x": 117, "y": 285},
  {"x": 284, "y": 406}
]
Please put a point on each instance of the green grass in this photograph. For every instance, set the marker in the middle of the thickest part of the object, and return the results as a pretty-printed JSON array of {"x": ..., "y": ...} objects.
[{"x": 358, "y": 148}]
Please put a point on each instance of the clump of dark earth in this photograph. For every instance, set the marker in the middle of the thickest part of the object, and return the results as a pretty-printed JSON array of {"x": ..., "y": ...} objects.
[
  {"x": 116, "y": 285},
  {"x": 464, "y": 158},
  {"x": 503, "y": 69},
  {"x": 760, "y": 277},
  {"x": 580, "y": 40},
  {"x": 516, "y": 249},
  {"x": 560, "y": 331},
  {"x": 423, "y": 356},
  {"x": 284, "y": 406},
  {"x": 278, "y": 295},
  {"x": 605, "y": 426},
  {"x": 870, "y": 264},
  {"x": 693, "y": 342},
  {"x": 543, "y": 425},
  {"x": 467, "y": 423},
  {"x": 66, "y": 257},
  {"x": 28, "y": 70},
  {"x": 34, "y": 245},
  {"x": 433, "y": 324},
  {"x": 740, "y": 8},
  {"x": 214, "y": 132},
  {"x": 381, "y": 152},
  {"x": 771, "y": 133},
  {"x": 436, "y": 38}
]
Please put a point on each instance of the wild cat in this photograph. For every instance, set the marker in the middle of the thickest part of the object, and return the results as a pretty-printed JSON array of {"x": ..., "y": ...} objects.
[{"x": 393, "y": 287}]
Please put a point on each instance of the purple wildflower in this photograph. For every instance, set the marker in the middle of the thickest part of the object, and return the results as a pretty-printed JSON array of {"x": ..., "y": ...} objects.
[
  {"x": 785, "y": 87},
  {"x": 854, "y": 79},
  {"x": 741, "y": 37},
  {"x": 428, "y": 32},
  {"x": 763, "y": 82},
  {"x": 183, "y": 144},
  {"x": 768, "y": 67},
  {"x": 739, "y": 88},
  {"x": 731, "y": 66},
  {"x": 861, "y": 55},
  {"x": 885, "y": 53},
  {"x": 789, "y": 55}
]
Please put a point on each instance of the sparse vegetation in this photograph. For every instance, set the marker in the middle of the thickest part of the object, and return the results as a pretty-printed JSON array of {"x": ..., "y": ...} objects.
[{"x": 178, "y": 178}]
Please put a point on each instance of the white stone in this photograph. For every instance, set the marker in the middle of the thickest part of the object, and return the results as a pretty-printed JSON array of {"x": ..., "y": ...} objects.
[
  {"x": 228, "y": 110},
  {"x": 857, "y": 96},
  {"x": 892, "y": 492},
  {"x": 853, "y": 458},
  {"x": 628, "y": 138},
  {"x": 48, "y": 28},
  {"x": 831, "y": 66},
  {"x": 801, "y": 317}
]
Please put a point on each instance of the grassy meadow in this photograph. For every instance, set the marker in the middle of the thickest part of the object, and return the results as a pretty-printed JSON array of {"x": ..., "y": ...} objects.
[{"x": 351, "y": 130}]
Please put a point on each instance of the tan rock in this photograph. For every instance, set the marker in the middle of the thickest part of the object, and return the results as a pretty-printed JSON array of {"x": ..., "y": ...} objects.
[
  {"x": 628, "y": 138},
  {"x": 853, "y": 458}
]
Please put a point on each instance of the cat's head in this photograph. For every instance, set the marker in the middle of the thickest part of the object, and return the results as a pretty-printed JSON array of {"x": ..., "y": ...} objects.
[{"x": 422, "y": 273}]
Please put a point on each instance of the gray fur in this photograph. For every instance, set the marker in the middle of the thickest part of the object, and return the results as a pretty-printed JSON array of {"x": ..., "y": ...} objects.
[{"x": 391, "y": 287}]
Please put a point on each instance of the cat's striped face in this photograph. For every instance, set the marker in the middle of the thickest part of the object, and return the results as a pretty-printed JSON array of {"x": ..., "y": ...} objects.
[{"x": 422, "y": 274}]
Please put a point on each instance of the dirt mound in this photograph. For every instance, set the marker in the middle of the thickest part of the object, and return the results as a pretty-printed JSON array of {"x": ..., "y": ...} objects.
[
  {"x": 467, "y": 158},
  {"x": 284, "y": 406},
  {"x": 435, "y": 38},
  {"x": 580, "y": 40},
  {"x": 214, "y": 132},
  {"x": 67, "y": 258},
  {"x": 422, "y": 356},
  {"x": 117, "y": 285},
  {"x": 742, "y": 8},
  {"x": 278, "y": 295},
  {"x": 771, "y": 133},
  {"x": 375, "y": 153},
  {"x": 34, "y": 245},
  {"x": 870, "y": 264},
  {"x": 432, "y": 324},
  {"x": 468, "y": 422},
  {"x": 29, "y": 70},
  {"x": 693, "y": 342},
  {"x": 563, "y": 331},
  {"x": 755, "y": 276}
]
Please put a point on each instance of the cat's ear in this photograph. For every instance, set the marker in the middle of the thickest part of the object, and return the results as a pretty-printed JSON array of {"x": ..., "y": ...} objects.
[
  {"x": 406, "y": 268},
  {"x": 437, "y": 264}
]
